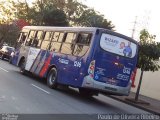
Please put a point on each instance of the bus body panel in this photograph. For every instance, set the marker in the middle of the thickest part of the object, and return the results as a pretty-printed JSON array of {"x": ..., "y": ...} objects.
[
  {"x": 111, "y": 72},
  {"x": 97, "y": 69}
]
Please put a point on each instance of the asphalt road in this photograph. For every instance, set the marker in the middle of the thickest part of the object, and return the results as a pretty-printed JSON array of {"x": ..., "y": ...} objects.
[{"x": 26, "y": 94}]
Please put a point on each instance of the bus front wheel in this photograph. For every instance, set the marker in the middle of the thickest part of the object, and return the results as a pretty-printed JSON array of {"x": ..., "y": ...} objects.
[
  {"x": 22, "y": 66},
  {"x": 52, "y": 78}
]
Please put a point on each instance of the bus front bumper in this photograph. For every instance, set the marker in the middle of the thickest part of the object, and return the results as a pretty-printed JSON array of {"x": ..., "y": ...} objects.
[{"x": 90, "y": 83}]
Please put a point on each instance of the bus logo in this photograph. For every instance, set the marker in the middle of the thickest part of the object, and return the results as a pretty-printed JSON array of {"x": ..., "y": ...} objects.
[{"x": 63, "y": 61}]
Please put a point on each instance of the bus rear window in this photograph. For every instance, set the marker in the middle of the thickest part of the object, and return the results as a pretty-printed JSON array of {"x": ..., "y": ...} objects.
[{"x": 118, "y": 45}]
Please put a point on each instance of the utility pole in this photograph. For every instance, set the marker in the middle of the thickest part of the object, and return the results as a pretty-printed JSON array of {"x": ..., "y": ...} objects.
[{"x": 134, "y": 27}]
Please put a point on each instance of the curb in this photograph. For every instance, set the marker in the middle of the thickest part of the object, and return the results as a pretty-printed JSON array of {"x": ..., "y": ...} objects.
[{"x": 132, "y": 104}]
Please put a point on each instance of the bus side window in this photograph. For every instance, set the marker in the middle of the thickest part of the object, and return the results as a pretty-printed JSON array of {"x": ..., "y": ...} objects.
[
  {"x": 46, "y": 41},
  {"x": 68, "y": 44},
  {"x": 22, "y": 37},
  {"x": 38, "y": 39},
  {"x": 56, "y": 41},
  {"x": 30, "y": 38},
  {"x": 82, "y": 44}
]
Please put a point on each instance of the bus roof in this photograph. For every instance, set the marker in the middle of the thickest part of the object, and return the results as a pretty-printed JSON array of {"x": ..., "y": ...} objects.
[
  {"x": 86, "y": 29},
  {"x": 91, "y": 29}
]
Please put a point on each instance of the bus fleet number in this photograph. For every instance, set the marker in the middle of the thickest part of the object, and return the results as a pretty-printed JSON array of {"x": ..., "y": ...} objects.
[{"x": 77, "y": 64}]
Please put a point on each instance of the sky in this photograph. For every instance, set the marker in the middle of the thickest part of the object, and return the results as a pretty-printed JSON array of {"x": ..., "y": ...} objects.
[{"x": 123, "y": 14}]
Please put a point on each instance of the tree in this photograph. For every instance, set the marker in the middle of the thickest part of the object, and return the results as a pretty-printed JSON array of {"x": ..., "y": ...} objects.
[
  {"x": 149, "y": 53},
  {"x": 55, "y": 17},
  {"x": 8, "y": 34},
  {"x": 61, "y": 13},
  {"x": 8, "y": 31},
  {"x": 91, "y": 18},
  {"x": 7, "y": 11},
  {"x": 79, "y": 14},
  {"x": 50, "y": 13},
  {"x": 41, "y": 13}
]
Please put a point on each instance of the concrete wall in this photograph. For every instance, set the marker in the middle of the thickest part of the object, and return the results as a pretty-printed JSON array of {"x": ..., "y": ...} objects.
[{"x": 150, "y": 84}]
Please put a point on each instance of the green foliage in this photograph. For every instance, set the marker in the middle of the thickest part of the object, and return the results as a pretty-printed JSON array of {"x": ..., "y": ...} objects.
[
  {"x": 61, "y": 13},
  {"x": 47, "y": 12},
  {"x": 41, "y": 13},
  {"x": 55, "y": 15},
  {"x": 6, "y": 11},
  {"x": 92, "y": 18},
  {"x": 149, "y": 52},
  {"x": 8, "y": 34},
  {"x": 8, "y": 31}
]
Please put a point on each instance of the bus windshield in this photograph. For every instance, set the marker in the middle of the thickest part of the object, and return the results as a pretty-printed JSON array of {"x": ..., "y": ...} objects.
[{"x": 118, "y": 45}]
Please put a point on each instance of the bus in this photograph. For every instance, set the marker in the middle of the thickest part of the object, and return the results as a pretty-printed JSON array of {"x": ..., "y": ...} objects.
[{"x": 91, "y": 59}]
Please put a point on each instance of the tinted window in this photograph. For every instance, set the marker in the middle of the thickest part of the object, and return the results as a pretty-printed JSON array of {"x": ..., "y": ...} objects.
[
  {"x": 55, "y": 36},
  {"x": 45, "y": 45},
  {"x": 55, "y": 46},
  {"x": 70, "y": 38},
  {"x": 67, "y": 48},
  {"x": 47, "y": 35},
  {"x": 22, "y": 37},
  {"x": 37, "y": 39},
  {"x": 118, "y": 45},
  {"x": 46, "y": 42},
  {"x": 56, "y": 41},
  {"x": 32, "y": 34},
  {"x": 80, "y": 50},
  {"x": 84, "y": 38},
  {"x": 82, "y": 44},
  {"x": 39, "y": 34},
  {"x": 30, "y": 38},
  {"x": 60, "y": 38},
  {"x": 68, "y": 45}
]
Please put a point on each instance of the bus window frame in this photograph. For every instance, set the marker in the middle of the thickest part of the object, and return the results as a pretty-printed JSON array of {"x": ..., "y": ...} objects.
[
  {"x": 36, "y": 38},
  {"x": 89, "y": 45},
  {"x": 30, "y": 38},
  {"x": 115, "y": 53},
  {"x": 50, "y": 38},
  {"x": 62, "y": 41},
  {"x": 72, "y": 43}
]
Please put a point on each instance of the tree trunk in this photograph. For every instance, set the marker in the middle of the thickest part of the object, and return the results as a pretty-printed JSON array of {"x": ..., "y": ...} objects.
[{"x": 139, "y": 86}]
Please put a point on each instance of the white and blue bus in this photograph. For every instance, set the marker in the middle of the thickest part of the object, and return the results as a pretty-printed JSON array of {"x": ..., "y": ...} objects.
[{"x": 91, "y": 59}]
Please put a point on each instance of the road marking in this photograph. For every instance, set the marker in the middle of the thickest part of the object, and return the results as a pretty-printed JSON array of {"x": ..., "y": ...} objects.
[
  {"x": 4, "y": 69},
  {"x": 40, "y": 89}
]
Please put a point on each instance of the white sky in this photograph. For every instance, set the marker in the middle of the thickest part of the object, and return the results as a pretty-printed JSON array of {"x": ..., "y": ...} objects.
[{"x": 122, "y": 13}]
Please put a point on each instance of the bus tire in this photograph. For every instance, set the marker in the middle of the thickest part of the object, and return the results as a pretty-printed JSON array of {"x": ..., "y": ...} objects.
[
  {"x": 22, "y": 66},
  {"x": 52, "y": 78}
]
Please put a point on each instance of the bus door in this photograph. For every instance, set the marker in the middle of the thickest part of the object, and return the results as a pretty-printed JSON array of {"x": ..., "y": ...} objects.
[
  {"x": 114, "y": 60},
  {"x": 33, "y": 42},
  {"x": 41, "y": 61}
]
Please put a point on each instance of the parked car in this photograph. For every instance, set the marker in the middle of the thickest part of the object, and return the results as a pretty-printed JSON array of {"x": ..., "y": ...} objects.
[{"x": 5, "y": 52}]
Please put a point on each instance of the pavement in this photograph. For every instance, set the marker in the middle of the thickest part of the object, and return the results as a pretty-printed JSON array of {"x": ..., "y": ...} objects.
[
  {"x": 27, "y": 94},
  {"x": 145, "y": 103}
]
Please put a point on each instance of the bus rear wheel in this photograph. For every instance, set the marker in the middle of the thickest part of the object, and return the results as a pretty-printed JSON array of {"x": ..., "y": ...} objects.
[{"x": 52, "y": 78}]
